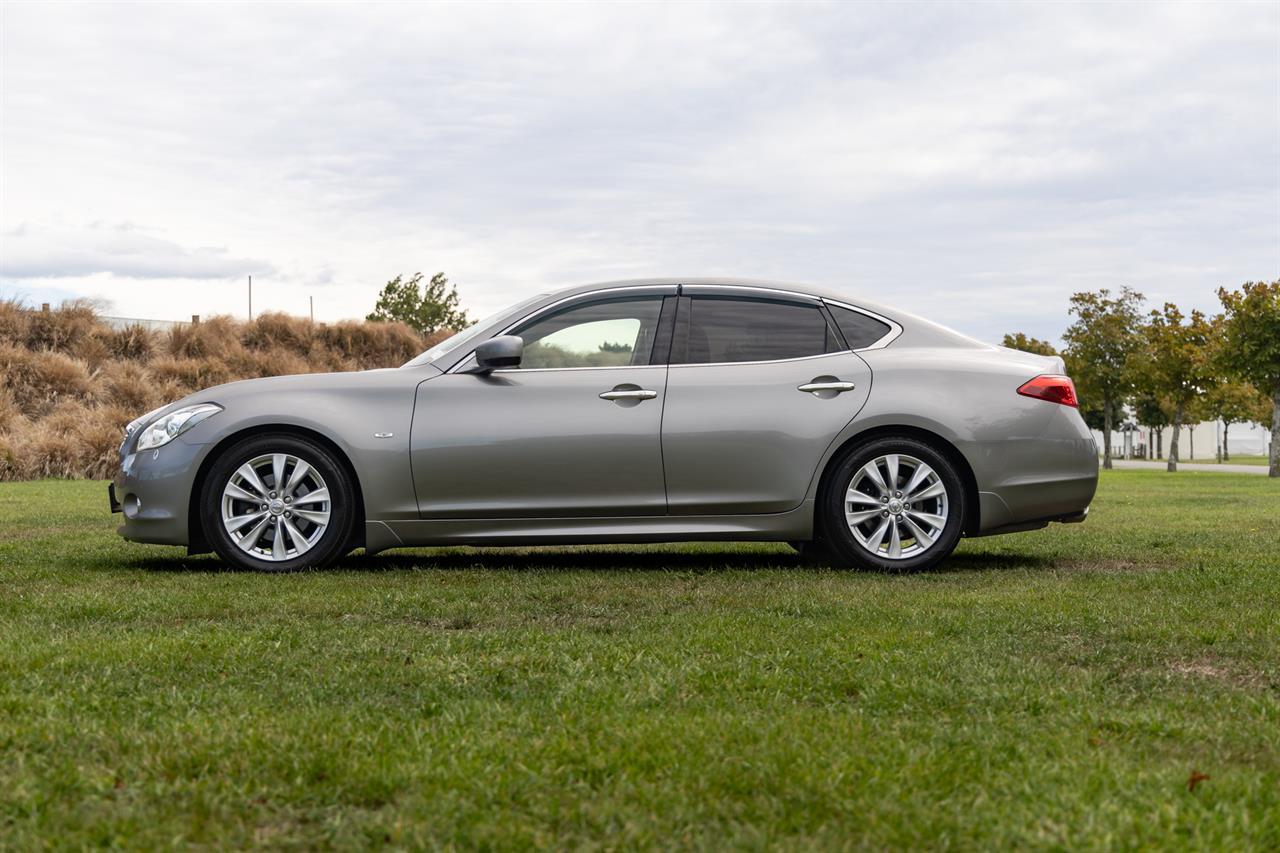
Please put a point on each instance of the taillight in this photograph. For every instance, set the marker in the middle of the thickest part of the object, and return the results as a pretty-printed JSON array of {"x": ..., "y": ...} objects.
[{"x": 1051, "y": 387}]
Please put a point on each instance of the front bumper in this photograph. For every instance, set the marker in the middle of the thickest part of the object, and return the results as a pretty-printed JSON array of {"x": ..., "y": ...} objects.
[{"x": 152, "y": 492}]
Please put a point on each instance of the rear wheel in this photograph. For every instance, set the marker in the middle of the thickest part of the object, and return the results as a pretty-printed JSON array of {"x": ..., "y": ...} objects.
[
  {"x": 278, "y": 503},
  {"x": 893, "y": 504}
]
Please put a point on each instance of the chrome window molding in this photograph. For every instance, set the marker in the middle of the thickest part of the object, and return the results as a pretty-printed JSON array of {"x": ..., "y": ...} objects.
[
  {"x": 563, "y": 369},
  {"x": 770, "y": 361},
  {"x": 895, "y": 329}
]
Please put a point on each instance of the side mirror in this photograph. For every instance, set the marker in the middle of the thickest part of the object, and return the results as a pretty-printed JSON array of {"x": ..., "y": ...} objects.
[{"x": 495, "y": 353}]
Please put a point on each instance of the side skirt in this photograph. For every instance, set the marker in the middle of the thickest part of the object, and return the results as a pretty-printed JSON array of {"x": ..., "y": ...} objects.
[{"x": 796, "y": 524}]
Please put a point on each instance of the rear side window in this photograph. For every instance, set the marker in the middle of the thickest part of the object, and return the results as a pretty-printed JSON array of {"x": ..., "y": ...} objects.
[
  {"x": 721, "y": 329},
  {"x": 858, "y": 329}
]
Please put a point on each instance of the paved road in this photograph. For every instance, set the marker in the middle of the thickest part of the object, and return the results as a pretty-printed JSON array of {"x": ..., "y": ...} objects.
[{"x": 1227, "y": 468}]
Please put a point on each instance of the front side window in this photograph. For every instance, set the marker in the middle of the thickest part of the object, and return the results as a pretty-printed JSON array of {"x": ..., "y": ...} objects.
[
  {"x": 725, "y": 329},
  {"x": 612, "y": 333}
]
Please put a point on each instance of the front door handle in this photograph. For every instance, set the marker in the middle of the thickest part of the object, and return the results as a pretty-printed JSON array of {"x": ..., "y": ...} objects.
[
  {"x": 834, "y": 386},
  {"x": 629, "y": 394}
]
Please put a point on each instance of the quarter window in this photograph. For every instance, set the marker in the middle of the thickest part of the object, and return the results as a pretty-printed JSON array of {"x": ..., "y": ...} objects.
[
  {"x": 858, "y": 329},
  {"x": 613, "y": 333},
  {"x": 722, "y": 329}
]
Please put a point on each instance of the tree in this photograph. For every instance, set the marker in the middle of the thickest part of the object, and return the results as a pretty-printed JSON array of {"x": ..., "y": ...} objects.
[
  {"x": 1100, "y": 345},
  {"x": 1234, "y": 402},
  {"x": 1177, "y": 363},
  {"x": 428, "y": 309},
  {"x": 1152, "y": 412},
  {"x": 1020, "y": 341},
  {"x": 1251, "y": 345}
]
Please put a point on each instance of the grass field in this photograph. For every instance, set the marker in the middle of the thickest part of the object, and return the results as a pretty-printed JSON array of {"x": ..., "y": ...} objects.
[
  {"x": 1053, "y": 689},
  {"x": 1243, "y": 459}
]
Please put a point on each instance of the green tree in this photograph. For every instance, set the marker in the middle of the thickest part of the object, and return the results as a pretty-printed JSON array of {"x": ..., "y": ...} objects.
[
  {"x": 1020, "y": 341},
  {"x": 1251, "y": 346},
  {"x": 428, "y": 308},
  {"x": 1234, "y": 402},
  {"x": 1152, "y": 412},
  {"x": 1177, "y": 364},
  {"x": 1100, "y": 347}
]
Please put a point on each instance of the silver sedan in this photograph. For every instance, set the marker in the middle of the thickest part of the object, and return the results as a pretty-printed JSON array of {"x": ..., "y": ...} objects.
[{"x": 643, "y": 411}]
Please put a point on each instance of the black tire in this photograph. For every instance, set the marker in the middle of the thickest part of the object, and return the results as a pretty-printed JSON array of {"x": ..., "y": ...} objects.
[
  {"x": 839, "y": 539},
  {"x": 331, "y": 543}
]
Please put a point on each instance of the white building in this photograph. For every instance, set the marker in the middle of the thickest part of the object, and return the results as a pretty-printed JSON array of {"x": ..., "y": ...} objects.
[{"x": 1198, "y": 441}]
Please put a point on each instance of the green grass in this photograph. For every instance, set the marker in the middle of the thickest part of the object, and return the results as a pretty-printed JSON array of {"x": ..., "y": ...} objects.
[
  {"x": 1053, "y": 689},
  {"x": 1243, "y": 459}
]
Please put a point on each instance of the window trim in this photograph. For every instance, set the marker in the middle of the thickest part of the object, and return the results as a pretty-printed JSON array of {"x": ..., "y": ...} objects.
[
  {"x": 680, "y": 339},
  {"x": 681, "y": 290},
  {"x": 889, "y": 337}
]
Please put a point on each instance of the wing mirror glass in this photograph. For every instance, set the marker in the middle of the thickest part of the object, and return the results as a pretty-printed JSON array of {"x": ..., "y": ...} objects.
[{"x": 496, "y": 353}]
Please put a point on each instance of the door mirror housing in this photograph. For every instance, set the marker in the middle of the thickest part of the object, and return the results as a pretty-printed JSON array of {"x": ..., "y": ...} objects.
[{"x": 499, "y": 352}]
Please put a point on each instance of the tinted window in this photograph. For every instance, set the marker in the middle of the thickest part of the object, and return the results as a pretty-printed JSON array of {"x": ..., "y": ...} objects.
[
  {"x": 859, "y": 330},
  {"x": 614, "y": 333},
  {"x": 723, "y": 330}
]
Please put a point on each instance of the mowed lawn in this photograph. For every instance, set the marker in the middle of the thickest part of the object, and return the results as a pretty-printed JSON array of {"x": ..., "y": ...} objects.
[{"x": 1052, "y": 689}]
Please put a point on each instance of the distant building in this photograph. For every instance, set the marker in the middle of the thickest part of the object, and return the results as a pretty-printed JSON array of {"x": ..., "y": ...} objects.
[{"x": 1204, "y": 440}]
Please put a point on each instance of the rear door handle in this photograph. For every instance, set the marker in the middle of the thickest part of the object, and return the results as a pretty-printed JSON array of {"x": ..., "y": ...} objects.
[
  {"x": 816, "y": 387},
  {"x": 637, "y": 394}
]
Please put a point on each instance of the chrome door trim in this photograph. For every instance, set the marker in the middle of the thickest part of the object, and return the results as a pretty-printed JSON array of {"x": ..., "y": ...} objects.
[
  {"x": 634, "y": 394},
  {"x": 770, "y": 361},
  {"x": 838, "y": 387}
]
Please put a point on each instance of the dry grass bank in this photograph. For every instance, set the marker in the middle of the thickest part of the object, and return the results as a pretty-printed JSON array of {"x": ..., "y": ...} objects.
[{"x": 69, "y": 382}]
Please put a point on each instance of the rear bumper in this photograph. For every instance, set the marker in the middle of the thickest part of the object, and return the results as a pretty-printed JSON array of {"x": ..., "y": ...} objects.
[
  {"x": 1027, "y": 483},
  {"x": 1034, "y": 524}
]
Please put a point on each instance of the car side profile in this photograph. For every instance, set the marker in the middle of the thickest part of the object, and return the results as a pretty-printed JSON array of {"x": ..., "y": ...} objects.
[{"x": 627, "y": 412}]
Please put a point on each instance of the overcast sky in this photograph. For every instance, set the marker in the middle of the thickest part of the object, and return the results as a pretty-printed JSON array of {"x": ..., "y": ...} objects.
[{"x": 976, "y": 164}]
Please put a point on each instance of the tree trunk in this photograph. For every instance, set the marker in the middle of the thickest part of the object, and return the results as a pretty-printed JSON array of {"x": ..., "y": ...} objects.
[
  {"x": 1106, "y": 433},
  {"x": 1191, "y": 439},
  {"x": 1173, "y": 441},
  {"x": 1159, "y": 442},
  {"x": 1226, "y": 454},
  {"x": 1275, "y": 432}
]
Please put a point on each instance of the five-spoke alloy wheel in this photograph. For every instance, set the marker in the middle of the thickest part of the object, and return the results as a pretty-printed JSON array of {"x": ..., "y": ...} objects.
[
  {"x": 893, "y": 504},
  {"x": 277, "y": 503}
]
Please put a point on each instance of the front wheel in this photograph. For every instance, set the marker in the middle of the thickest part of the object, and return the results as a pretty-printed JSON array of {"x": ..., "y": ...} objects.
[
  {"x": 277, "y": 503},
  {"x": 893, "y": 504}
]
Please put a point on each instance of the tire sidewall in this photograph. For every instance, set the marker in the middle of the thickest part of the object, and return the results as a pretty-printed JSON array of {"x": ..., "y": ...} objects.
[
  {"x": 332, "y": 544},
  {"x": 840, "y": 540}
]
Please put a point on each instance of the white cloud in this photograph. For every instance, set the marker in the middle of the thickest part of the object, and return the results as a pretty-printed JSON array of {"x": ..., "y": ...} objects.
[
  {"x": 976, "y": 163},
  {"x": 120, "y": 250}
]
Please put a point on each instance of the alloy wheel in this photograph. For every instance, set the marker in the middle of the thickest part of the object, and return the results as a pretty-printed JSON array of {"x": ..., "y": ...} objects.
[
  {"x": 896, "y": 506},
  {"x": 276, "y": 507}
]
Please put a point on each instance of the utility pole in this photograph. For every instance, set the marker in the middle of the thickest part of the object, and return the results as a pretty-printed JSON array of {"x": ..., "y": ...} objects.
[
  {"x": 312, "y": 300},
  {"x": 250, "y": 297}
]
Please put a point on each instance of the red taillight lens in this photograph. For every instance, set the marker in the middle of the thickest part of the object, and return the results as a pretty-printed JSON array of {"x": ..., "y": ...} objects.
[{"x": 1051, "y": 387}]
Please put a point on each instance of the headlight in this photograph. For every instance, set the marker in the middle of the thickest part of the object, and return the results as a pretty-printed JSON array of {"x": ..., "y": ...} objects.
[
  {"x": 175, "y": 424},
  {"x": 137, "y": 422}
]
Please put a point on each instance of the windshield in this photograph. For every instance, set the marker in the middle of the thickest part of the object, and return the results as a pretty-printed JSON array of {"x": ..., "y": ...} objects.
[{"x": 459, "y": 338}]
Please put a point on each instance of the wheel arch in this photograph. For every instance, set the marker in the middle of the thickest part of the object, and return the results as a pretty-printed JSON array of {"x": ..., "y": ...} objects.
[
  {"x": 198, "y": 543},
  {"x": 972, "y": 515}
]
